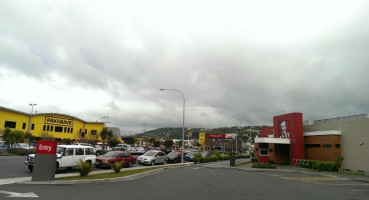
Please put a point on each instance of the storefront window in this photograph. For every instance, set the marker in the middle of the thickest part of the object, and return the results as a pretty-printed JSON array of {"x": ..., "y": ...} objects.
[
  {"x": 264, "y": 152},
  {"x": 9, "y": 124}
]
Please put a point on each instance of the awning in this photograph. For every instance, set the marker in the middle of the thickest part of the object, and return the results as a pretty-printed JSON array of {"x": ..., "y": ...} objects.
[{"x": 272, "y": 140}]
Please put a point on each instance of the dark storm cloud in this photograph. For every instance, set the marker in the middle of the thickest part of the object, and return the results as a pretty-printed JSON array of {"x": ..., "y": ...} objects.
[{"x": 237, "y": 65}]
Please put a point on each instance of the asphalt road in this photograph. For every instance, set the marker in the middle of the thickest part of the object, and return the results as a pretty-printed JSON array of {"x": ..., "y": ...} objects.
[
  {"x": 203, "y": 183},
  {"x": 13, "y": 167}
]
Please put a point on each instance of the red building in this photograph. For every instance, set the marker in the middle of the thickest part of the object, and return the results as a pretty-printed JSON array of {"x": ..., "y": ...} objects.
[{"x": 283, "y": 142}]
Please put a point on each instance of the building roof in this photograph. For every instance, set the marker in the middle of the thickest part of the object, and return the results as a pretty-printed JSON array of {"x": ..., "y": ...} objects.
[
  {"x": 35, "y": 114},
  {"x": 336, "y": 119}
]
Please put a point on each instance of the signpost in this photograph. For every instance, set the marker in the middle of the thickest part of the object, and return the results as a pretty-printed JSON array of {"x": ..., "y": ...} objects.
[
  {"x": 45, "y": 161},
  {"x": 202, "y": 140}
]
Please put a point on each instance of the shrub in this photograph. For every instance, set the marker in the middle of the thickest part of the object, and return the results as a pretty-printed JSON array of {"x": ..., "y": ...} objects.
[
  {"x": 84, "y": 168},
  {"x": 23, "y": 152},
  {"x": 117, "y": 166},
  {"x": 319, "y": 165},
  {"x": 242, "y": 156},
  {"x": 254, "y": 160}
]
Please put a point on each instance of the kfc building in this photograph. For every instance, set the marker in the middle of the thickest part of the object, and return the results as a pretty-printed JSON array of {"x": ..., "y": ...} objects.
[{"x": 290, "y": 138}]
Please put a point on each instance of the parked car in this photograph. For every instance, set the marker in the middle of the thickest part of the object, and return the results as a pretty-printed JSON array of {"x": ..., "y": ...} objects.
[
  {"x": 22, "y": 146},
  {"x": 2, "y": 144},
  {"x": 115, "y": 156},
  {"x": 3, "y": 151},
  {"x": 190, "y": 155},
  {"x": 140, "y": 150},
  {"x": 96, "y": 152},
  {"x": 128, "y": 148},
  {"x": 152, "y": 157},
  {"x": 174, "y": 157},
  {"x": 68, "y": 156}
]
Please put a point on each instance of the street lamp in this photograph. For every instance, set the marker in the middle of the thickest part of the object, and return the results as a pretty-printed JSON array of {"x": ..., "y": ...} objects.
[
  {"x": 105, "y": 118},
  {"x": 30, "y": 122},
  {"x": 144, "y": 125},
  {"x": 236, "y": 136},
  {"x": 30, "y": 118},
  {"x": 184, "y": 103}
]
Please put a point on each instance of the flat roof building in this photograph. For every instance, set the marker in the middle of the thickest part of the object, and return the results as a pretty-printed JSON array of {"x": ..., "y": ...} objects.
[
  {"x": 46, "y": 125},
  {"x": 291, "y": 138}
]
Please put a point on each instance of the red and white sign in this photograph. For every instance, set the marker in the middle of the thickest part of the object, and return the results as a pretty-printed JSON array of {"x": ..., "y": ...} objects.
[
  {"x": 46, "y": 147},
  {"x": 216, "y": 136}
]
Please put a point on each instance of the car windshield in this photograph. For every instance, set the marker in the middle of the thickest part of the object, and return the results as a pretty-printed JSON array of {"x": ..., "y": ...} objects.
[
  {"x": 173, "y": 153},
  {"x": 150, "y": 153},
  {"x": 25, "y": 145},
  {"x": 60, "y": 150},
  {"x": 111, "y": 154}
]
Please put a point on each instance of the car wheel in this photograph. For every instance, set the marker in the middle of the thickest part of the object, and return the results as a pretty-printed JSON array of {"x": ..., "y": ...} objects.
[
  {"x": 153, "y": 163},
  {"x": 30, "y": 167}
]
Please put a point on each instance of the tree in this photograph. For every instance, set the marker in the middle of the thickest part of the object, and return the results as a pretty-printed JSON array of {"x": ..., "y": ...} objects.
[
  {"x": 168, "y": 143},
  {"x": 113, "y": 142},
  {"x": 179, "y": 143},
  {"x": 156, "y": 143},
  {"x": 46, "y": 136},
  {"x": 12, "y": 137},
  {"x": 151, "y": 140},
  {"x": 93, "y": 138},
  {"x": 129, "y": 140},
  {"x": 106, "y": 135}
]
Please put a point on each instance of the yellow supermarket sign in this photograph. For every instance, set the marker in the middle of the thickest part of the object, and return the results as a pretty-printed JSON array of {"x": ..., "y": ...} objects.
[{"x": 58, "y": 121}]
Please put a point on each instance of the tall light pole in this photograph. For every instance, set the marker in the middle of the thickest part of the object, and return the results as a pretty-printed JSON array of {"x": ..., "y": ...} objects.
[
  {"x": 30, "y": 118},
  {"x": 183, "y": 123},
  {"x": 105, "y": 118},
  {"x": 144, "y": 125},
  {"x": 30, "y": 122},
  {"x": 236, "y": 136}
]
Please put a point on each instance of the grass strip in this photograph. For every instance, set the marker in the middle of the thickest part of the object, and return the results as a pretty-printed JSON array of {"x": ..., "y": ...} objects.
[
  {"x": 353, "y": 173},
  {"x": 113, "y": 174},
  {"x": 244, "y": 163},
  {"x": 109, "y": 174}
]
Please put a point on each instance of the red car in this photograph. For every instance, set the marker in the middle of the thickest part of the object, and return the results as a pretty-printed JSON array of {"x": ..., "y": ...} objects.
[{"x": 115, "y": 156}]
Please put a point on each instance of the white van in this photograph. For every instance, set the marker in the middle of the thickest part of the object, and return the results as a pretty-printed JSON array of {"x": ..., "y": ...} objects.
[{"x": 68, "y": 156}]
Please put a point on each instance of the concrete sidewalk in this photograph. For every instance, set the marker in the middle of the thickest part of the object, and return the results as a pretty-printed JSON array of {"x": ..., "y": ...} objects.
[{"x": 297, "y": 169}]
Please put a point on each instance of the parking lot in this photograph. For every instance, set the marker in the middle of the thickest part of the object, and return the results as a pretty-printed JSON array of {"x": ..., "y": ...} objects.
[{"x": 14, "y": 167}]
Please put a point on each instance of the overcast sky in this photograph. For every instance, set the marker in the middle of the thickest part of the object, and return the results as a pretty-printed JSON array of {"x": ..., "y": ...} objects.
[{"x": 232, "y": 60}]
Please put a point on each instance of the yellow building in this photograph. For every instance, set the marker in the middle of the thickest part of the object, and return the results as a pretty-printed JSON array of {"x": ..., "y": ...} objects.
[{"x": 58, "y": 126}]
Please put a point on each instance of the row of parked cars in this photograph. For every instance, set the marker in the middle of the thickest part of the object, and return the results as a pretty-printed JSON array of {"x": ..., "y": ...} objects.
[{"x": 69, "y": 155}]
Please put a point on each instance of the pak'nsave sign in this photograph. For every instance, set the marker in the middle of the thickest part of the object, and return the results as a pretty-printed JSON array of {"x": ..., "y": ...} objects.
[{"x": 58, "y": 121}]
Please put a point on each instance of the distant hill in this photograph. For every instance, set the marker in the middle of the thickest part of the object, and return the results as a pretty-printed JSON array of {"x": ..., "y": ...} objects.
[{"x": 176, "y": 133}]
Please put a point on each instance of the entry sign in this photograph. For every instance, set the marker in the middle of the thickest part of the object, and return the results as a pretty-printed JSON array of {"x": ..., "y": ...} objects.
[
  {"x": 46, "y": 147},
  {"x": 44, "y": 165}
]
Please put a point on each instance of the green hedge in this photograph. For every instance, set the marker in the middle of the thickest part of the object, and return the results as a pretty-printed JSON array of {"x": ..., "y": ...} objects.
[
  {"x": 319, "y": 165},
  {"x": 216, "y": 158}
]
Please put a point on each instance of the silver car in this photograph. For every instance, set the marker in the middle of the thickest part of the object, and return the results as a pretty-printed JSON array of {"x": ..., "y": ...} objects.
[{"x": 152, "y": 157}]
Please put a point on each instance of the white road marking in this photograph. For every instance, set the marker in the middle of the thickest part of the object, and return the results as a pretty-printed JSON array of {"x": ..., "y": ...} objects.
[{"x": 16, "y": 194}]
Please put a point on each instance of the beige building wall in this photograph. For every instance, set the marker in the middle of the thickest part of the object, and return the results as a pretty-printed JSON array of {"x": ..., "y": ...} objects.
[{"x": 354, "y": 132}]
